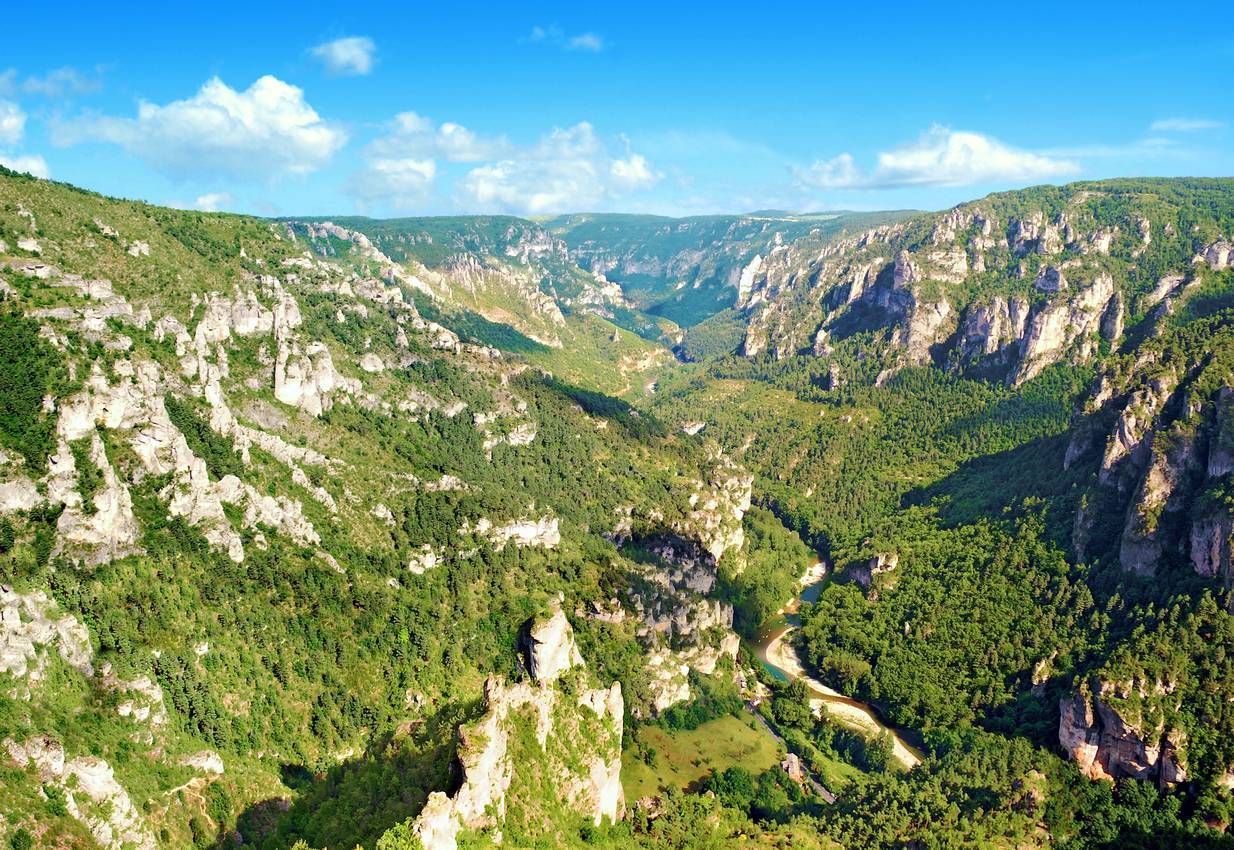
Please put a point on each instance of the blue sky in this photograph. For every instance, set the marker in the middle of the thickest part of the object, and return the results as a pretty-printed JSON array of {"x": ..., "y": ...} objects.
[{"x": 544, "y": 108}]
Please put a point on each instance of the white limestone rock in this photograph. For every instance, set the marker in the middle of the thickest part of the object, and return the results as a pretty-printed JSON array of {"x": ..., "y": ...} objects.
[
  {"x": 588, "y": 730},
  {"x": 18, "y": 494},
  {"x": 110, "y": 531},
  {"x": 1063, "y": 325},
  {"x": 204, "y": 761},
  {"x": 93, "y": 796},
  {"x": 30, "y": 625},
  {"x": 549, "y": 648}
]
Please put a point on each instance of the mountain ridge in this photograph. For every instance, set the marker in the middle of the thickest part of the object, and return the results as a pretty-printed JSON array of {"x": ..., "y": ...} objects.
[{"x": 294, "y": 510}]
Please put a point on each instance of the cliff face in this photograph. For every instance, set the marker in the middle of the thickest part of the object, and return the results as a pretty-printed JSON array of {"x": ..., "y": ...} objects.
[
  {"x": 1109, "y": 742},
  {"x": 1156, "y": 430},
  {"x": 1153, "y": 440},
  {"x": 682, "y": 627},
  {"x": 1001, "y": 288},
  {"x": 537, "y": 747},
  {"x": 549, "y": 647},
  {"x": 689, "y": 269}
]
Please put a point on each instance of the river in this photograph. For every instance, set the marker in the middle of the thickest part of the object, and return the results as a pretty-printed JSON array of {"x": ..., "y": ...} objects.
[{"x": 780, "y": 659}]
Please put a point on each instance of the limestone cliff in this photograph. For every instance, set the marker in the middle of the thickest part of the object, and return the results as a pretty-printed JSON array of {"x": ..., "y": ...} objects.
[
  {"x": 1000, "y": 288},
  {"x": 548, "y": 646},
  {"x": 1158, "y": 436},
  {"x": 538, "y": 749},
  {"x": 1109, "y": 740}
]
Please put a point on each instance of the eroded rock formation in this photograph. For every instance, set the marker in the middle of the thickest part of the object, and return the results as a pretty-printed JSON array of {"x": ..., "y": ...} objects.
[{"x": 576, "y": 742}]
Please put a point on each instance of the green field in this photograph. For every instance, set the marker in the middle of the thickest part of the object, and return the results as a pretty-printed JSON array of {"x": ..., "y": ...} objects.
[
  {"x": 835, "y": 774},
  {"x": 683, "y": 757}
]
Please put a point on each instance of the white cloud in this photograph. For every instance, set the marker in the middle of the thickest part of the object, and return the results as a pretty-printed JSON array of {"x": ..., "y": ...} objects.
[
  {"x": 1185, "y": 125},
  {"x": 34, "y": 165},
  {"x": 568, "y": 169},
  {"x": 565, "y": 170},
  {"x": 588, "y": 41},
  {"x": 399, "y": 182},
  {"x": 413, "y": 135},
  {"x": 57, "y": 83},
  {"x": 213, "y": 201},
  {"x": 351, "y": 56},
  {"x": 633, "y": 173},
  {"x": 555, "y": 36},
  {"x": 265, "y": 131},
  {"x": 400, "y": 167},
  {"x": 940, "y": 157},
  {"x": 837, "y": 172},
  {"x": 12, "y": 123}
]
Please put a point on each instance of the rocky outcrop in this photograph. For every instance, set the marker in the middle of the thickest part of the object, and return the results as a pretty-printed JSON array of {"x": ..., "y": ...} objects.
[
  {"x": 18, "y": 494},
  {"x": 991, "y": 332},
  {"x": 898, "y": 288},
  {"x": 1064, "y": 326},
  {"x": 305, "y": 377},
  {"x": 31, "y": 626},
  {"x": 718, "y": 505},
  {"x": 1219, "y": 255},
  {"x": 1166, "y": 463},
  {"x": 745, "y": 284},
  {"x": 544, "y": 532},
  {"x": 1163, "y": 494},
  {"x": 548, "y": 646},
  {"x": 574, "y": 756},
  {"x": 1107, "y": 744},
  {"x": 669, "y": 679},
  {"x": 682, "y": 628},
  {"x": 204, "y": 761},
  {"x": 1211, "y": 534},
  {"x": 928, "y": 325},
  {"x": 92, "y": 794},
  {"x": 866, "y": 572},
  {"x": 103, "y": 531}
]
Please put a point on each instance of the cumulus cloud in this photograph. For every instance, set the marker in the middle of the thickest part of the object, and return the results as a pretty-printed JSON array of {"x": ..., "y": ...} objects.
[
  {"x": 400, "y": 182},
  {"x": 267, "y": 130},
  {"x": 12, "y": 123},
  {"x": 632, "y": 173},
  {"x": 413, "y": 135},
  {"x": 33, "y": 165},
  {"x": 1184, "y": 125},
  {"x": 940, "y": 157},
  {"x": 350, "y": 56},
  {"x": 400, "y": 167},
  {"x": 212, "y": 201},
  {"x": 569, "y": 169},
  {"x": 565, "y": 170},
  {"x": 555, "y": 36}
]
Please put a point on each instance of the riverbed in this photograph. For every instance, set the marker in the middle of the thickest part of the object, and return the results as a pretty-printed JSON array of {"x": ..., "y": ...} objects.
[{"x": 780, "y": 658}]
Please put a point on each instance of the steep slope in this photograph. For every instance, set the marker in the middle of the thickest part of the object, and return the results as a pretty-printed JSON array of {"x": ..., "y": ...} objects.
[
  {"x": 1154, "y": 434},
  {"x": 689, "y": 269},
  {"x": 307, "y": 527},
  {"x": 1006, "y": 426},
  {"x": 510, "y": 272},
  {"x": 1001, "y": 287},
  {"x": 261, "y": 516}
]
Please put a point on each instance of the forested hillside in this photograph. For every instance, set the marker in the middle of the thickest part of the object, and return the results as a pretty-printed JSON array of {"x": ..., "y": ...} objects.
[{"x": 455, "y": 532}]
